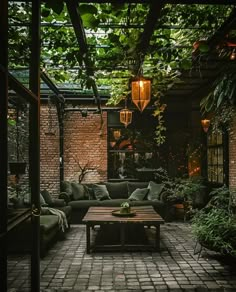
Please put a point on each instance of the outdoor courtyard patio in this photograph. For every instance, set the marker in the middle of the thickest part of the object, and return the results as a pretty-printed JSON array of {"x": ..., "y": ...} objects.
[
  {"x": 67, "y": 267},
  {"x": 117, "y": 145}
]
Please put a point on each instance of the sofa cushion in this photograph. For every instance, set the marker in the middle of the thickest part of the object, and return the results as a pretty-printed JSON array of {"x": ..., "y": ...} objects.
[
  {"x": 42, "y": 201},
  {"x": 78, "y": 191},
  {"x": 132, "y": 186},
  {"x": 89, "y": 192},
  {"x": 154, "y": 190},
  {"x": 117, "y": 190},
  {"x": 48, "y": 222},
  {"x": 84, "y": 204},
  {"x": 101, "y": 192},
  {"x": 139, "y": 194},
  {"x": 47, "y": 197},
  {"x": 66, "y": 187},
  {"x": 113, "y": 202}
]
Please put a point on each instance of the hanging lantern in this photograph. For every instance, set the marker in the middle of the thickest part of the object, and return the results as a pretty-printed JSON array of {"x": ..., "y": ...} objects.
[
  {"x": 126, "y": 116},
  {"x": 205, "y": 124},
  {"x": 141, "y": 92},
  {"x": 116, "y": 134}
]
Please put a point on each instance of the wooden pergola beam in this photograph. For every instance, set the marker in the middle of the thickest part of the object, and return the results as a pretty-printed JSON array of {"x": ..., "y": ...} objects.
[
  {"x": 72, "y": 7},
  {"x": 210, "y": 2},
  {"x": 149, "y": 27},
  {"x": 213, "y": 2}
]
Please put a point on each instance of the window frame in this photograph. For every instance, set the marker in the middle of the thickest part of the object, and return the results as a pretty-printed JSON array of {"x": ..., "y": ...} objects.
[{"x": 217, "y": 149}]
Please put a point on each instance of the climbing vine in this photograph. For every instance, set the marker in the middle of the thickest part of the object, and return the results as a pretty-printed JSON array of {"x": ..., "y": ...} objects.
[{"x": 113, "y": 32}]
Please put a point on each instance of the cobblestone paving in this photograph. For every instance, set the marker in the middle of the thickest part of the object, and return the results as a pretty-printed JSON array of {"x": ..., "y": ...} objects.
[{"x": 67, "y": 267}]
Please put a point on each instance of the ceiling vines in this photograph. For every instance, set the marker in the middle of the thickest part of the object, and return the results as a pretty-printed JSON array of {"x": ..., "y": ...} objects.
[
  {"x": 120, "y": 39},
  {"x": 113, "y": 33}
]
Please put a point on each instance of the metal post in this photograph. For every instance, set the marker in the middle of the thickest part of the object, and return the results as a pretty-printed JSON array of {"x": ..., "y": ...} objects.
[
  {"x": 3, "y": 141},
  {"x": 34, "y": 141}
]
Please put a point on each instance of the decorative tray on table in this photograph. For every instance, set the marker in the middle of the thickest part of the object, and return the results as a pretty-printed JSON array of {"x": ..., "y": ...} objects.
[{"x": 120, "y": 214}]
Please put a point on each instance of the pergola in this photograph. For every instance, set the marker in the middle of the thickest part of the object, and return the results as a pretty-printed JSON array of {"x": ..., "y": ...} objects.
[{"x": 42, "y": 79}]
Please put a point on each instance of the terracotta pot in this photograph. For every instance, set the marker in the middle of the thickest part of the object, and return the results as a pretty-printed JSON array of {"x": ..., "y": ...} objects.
[{"x": 179, "y": 211}]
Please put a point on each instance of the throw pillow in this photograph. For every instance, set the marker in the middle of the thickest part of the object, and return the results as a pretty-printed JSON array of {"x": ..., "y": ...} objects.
[
  {"x": 42, "y": 201},
  {"x": 101, "y": 192},
  {"x": 117, "y": 190},
  {"x": 132, "y": 186},
  {"x": 138, "y": 194},
  {"x": 89, "y": 192},
  {"x": 154, "y": 191},
  {"x": 66, "y": 187},
  {"x": 47, "y": 197},
  {"x": 78, "y": 191}
]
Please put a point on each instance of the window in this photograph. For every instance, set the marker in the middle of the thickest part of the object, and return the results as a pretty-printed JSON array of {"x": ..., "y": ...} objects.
[
  {"x": 130, "y": 149},
  {"x": 216, "y": 156}
]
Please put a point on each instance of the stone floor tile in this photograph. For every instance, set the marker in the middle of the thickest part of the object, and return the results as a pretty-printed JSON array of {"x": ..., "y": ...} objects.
[{"x": 67, "y": 267}]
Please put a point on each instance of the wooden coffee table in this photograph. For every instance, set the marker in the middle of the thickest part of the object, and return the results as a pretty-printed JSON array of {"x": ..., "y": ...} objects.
[{"x": 144, "y": 216}]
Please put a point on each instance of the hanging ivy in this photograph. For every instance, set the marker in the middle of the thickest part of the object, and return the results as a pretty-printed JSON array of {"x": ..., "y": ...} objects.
[
  {"x": 220, "y": 102},
  {"x": 113, "y": 31}
]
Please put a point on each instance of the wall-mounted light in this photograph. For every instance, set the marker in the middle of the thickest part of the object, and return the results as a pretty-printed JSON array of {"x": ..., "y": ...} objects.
[
  {"x": 141, "y": 92},
  {"x": 205, "y": 124}
]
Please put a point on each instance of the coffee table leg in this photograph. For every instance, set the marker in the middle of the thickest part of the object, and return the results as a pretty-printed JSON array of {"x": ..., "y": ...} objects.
[
  {"x": 122, "y": 235},
  {"x": 88, "y": 238},
  {"x": 158, "y": 238}
]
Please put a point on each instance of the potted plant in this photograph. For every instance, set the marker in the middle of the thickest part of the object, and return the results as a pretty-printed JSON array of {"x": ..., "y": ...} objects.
[{"x": 125, "y": 208}]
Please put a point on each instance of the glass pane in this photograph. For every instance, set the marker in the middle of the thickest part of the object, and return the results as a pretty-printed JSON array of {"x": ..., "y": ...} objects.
[
  {"x": 215, "y": 157},
  {"x": 19, "y": 37},
  {"x": 19, "y": 238},
  {"x": 18, "y": 141},
  {"x": 209, "y": 173},
  {"x": 220, "y": 174},
  {"x": 220, "y": 156},
  {"x": 122, "y": 165},
  {"x": 219, "y": 139}
]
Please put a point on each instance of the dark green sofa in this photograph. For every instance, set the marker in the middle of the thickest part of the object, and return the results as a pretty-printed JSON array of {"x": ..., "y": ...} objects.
[
  {"x": 111, "y": 194},
  {"x": 19, "y": 239}
]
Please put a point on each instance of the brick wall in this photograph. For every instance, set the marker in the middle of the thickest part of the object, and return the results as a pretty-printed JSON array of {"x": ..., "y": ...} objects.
[
  {"x": 49, "y": 153},
  {"x": 84, "y": 143},
  {"x": 232, "y": 155}
]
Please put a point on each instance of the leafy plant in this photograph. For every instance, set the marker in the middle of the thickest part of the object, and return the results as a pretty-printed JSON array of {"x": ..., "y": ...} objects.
[
  {"x": 125, "y": 207},
  {"x": 215, "y": 225},
  {"x": 220, "y": 101},
  {"x": 191, "y": 186},
  {"x": 160, "y": 128},
  {"x": 179, "y": 190},
  {"x": 18, "y": 134}
]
